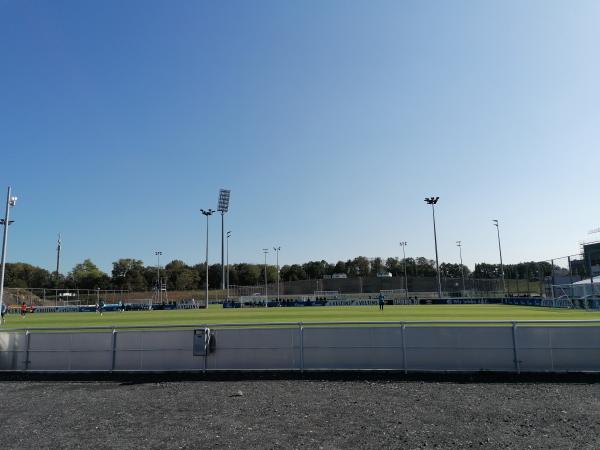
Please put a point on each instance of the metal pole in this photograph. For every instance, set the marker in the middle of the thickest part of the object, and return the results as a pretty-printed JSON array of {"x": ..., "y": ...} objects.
[
  {"x": 552, "y": 278},
  {"x": 207, "y": 213},
  {"x": 222, "y": 250},
  {"x": 570, "y": 270},
  {"x": 501, "y": 263},
  {"x": 403, "y": 244},
  {"x": 277, "y": 250},
  {"x": 265, "y": 251},
  {"x": 207, "y": 260},
  {"x": 589, "y": 263},
  {"x": 158, "y": 284},
  {"x": 462, "y": 270},
  {"x": 228, "y": 236},
  {"x": 437, "y": 264},
  {"x": 6, "y": 223},
  {"x": 58, "y": 258}
]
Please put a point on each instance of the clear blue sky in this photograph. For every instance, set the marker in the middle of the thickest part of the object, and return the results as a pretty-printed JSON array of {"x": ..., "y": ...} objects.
[{"x": 330, "y": 121}]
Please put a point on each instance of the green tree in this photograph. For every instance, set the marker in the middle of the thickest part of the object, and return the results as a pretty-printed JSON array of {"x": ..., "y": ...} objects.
[
  {"x": 362, "y": 266},
  {"x": 248, "y": 274},
  {"x": 340, "y": 267},
  {"x": 129, "y": 274},
  {"x": 292, "y": 273},
  {"x": 87, "y": 275}
]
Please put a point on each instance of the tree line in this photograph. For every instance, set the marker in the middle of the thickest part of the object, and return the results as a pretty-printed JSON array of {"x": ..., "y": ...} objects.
[{"x": 134, "y": 275}]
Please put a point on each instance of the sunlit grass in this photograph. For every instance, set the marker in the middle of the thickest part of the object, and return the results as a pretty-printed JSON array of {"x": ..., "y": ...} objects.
[{"x": 217, "y": 314}]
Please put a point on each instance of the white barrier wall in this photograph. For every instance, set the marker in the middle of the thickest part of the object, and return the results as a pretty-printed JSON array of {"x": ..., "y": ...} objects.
[{"x": 397, "y": 347}]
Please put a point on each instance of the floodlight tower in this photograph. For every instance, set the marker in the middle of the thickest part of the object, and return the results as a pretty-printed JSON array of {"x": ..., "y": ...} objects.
[
  {"x": 207, "y": 213},
  {"x": 404, "y": 244},
  {"x": 433, "y": 201},
  {"x": 277, "y": 251},
  {"x": 58, "y": 247},
  {"x": 266, "y": 252},
  {"x": 495, "y": 221},
  {"x": 462, "y": 269},
  {"x": 10, "y": 202},
  {"x": 223, "y": 208},
  {"x": 228, "y": 236}
]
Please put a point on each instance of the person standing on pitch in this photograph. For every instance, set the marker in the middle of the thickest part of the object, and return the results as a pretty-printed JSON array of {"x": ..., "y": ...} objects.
[
  {"x": 381, "y": 301},
  {"x": 3, "y": 313}
]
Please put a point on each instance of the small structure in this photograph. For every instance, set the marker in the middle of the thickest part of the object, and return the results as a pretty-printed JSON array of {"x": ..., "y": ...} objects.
[{"x": 587, "y": 287}]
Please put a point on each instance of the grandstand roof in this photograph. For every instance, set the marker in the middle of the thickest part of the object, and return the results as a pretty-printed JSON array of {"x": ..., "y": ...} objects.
[{"x": 587, "y": 281}]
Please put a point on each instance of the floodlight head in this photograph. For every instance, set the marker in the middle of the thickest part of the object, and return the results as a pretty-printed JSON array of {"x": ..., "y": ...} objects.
[
  {"x": 229, "y": 234},
  {"x": 458, "y": 243},
  {"x": 403, "y": 243},
  {"x": 12, "y": 201},
  {"x": 495, "y": 222},
  {"x": 265, "y": 250},
  {"x": 158, "y": 253},
  {"x": 224, "y": 200},
  {"x": 276, "y": 248},
  {"x": 207, "y": 212},
  {"x": 431, "y": 200}
]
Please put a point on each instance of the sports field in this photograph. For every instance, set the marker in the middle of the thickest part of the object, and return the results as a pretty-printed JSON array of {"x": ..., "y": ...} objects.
[{"x": 217, "y": 314}]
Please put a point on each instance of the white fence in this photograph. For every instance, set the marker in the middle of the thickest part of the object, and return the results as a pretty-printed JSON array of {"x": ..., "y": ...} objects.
[{"x": 558, "y": 346}]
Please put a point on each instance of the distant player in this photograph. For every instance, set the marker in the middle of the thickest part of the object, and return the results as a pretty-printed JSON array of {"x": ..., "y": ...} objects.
[
  {"x": 381, "y": 301},
  {"x": 23, "y": 310},
  {"x": 3, "y": 310}
]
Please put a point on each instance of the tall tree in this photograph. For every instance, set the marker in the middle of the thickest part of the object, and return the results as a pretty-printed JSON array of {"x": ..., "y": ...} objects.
[
  {"x": 86, "y": 275},
  {"x": 129, "y": 274}
]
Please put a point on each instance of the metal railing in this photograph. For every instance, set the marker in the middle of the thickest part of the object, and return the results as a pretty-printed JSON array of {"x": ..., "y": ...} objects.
[{"x": 417, "y": 344}]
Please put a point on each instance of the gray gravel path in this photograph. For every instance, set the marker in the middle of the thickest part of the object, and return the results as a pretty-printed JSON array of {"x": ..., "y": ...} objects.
[{"x": 298, "y": 414}]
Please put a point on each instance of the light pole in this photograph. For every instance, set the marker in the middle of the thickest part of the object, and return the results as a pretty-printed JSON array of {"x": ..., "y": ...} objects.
[
  {"x": 10, "y": 202},
  {"x": 58, "y": 247},
  {"x": 404, "y": 244},
  {"x": 432, "y": 201},
  {"x": 207, "y": 213},
  {"x": 158, "y": 286},
  {"x": 277, "y": 250},
  {"x": 228, "y": 236},
  {"x": 462, "y": 270},
  {"x": 266, "y": 251},
  {"x": 495, "y": 221},
  {"x": 223, "y": 208}
]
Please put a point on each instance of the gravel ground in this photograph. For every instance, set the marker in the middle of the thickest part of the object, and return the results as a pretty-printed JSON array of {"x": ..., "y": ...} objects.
[{"x": 316, "y": 414}]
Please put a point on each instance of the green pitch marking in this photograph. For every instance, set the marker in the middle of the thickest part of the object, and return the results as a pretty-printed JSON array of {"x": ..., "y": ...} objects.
[{"x": 217, "y": 314}]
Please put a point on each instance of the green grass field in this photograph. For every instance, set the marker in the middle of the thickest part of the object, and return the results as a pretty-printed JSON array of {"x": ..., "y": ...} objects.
[{"x": 216, "y": 314}]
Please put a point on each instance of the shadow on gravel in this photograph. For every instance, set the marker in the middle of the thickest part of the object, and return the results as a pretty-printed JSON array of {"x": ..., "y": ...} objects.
[{"x": 133, "y": 378}]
